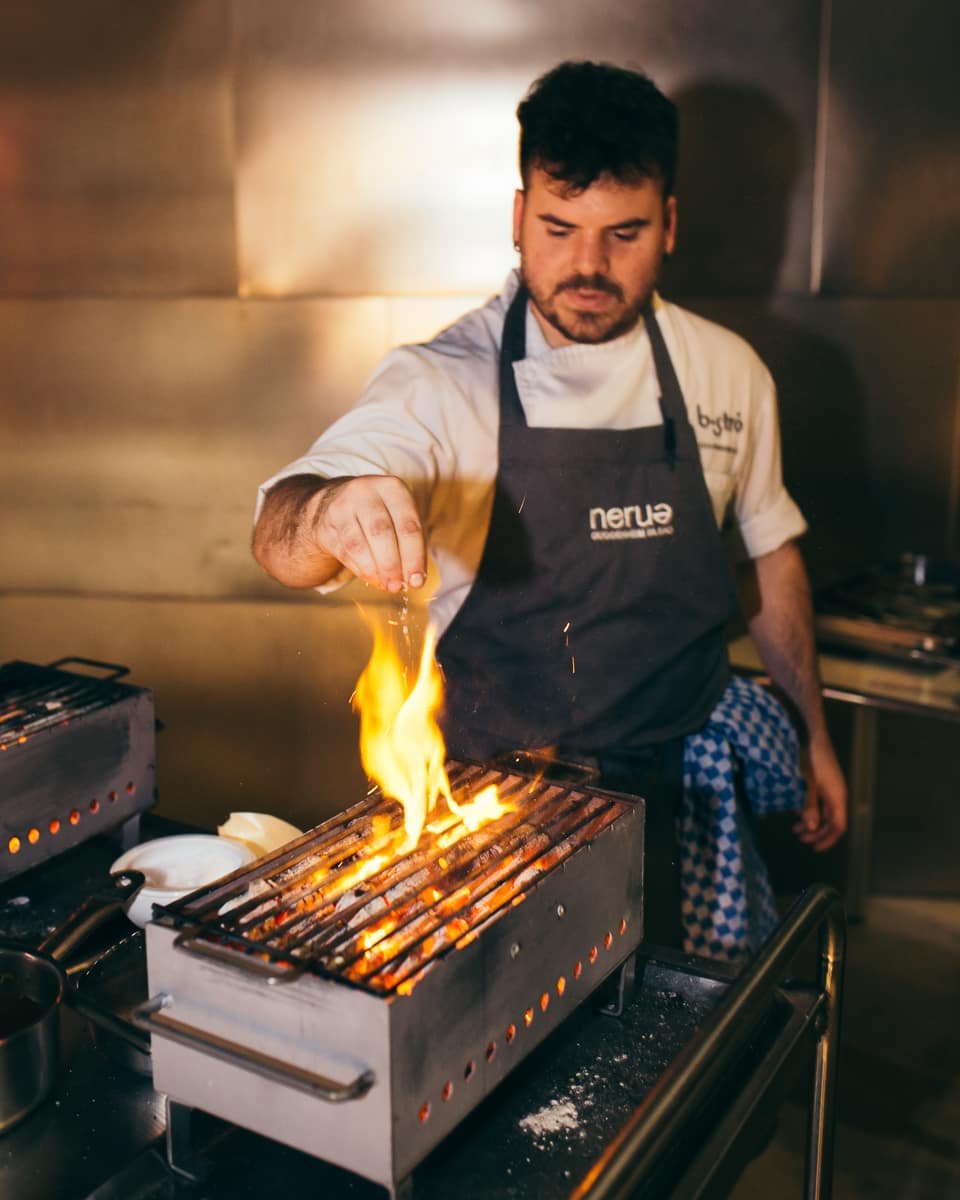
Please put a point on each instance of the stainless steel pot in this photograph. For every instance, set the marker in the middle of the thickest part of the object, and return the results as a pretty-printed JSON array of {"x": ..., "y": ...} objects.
[{"x": 33, "y": 984}]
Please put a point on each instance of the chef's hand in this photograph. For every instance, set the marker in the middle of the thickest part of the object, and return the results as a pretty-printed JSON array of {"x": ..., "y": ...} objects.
[
  {"x": 369, "y": 523},
  {"x": 823, "y": 820}
]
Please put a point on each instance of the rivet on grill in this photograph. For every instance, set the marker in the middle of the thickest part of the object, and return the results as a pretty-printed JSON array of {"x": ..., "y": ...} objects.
[
  {"x": 528, "y": 1016},
  {"x": 561, "y": 986},
  {"x": 130, "y": 788},
  {"x": 561, "y": 910},
  {"x": 447, "y": 1090},
  {"x": 94, "y": 806},
  {"x": 54, "y": 826},
  {"x": 593, "y": 954},
  {"x": 33, "y": 836},
  {"x": 578, "y": 970},
  {"x": 544, "y": 1001},
  {"x": 514, "y": 949},
  {"x": 14, "y": 845},
  {"x": 424, "y": 1112},
  {"x": 491, "y": 1051},
  {"x": 469, "y": 1069},
  {"x": 112, "y": 797},
  {"x": 607, "y": 940},
  {"x": 623, "y": 926},
  {"x": 511, "y": 1032},
  {"x": 74, "y": 816}
]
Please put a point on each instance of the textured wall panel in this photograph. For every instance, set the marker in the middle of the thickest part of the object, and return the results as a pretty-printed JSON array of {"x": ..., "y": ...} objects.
[
  {"x": 892, "y": 221},
  {"x": 254, "y": 698},
  {"x": 377, "y": 141},
  {"x": 135, "y": 434},
  {"x": 116, "y": 148},
  {"x": 868, "y": 403}
]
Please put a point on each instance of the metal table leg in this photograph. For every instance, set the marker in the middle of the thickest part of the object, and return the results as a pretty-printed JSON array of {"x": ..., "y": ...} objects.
[{"x": 863, "y": 770}]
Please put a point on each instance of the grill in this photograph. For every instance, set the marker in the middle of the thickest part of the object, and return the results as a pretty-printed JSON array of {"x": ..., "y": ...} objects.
[
  {"x": 358, "y": 1010},
  {"x": 77, "y": 758},
  {"x": 906, "y": 610}
]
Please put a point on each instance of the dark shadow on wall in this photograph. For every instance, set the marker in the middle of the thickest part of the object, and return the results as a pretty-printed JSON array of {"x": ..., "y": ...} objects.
[{"x": 740, "y": 167}]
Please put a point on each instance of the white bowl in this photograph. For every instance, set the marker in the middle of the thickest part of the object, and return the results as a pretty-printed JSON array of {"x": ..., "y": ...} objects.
[{"x": 176, "y": 866}]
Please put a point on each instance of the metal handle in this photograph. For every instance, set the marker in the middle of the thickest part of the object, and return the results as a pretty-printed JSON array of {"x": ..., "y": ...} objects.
[
  {"x": 204, "y": 948},
  {"x": 91, "y": 914},
  {"x": 149, "y": 1016},
  {"x": 117, "y": 671}
]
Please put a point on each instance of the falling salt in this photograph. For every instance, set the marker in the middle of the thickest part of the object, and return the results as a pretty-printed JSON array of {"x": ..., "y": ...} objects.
[{"x": 559, "y": 1114}]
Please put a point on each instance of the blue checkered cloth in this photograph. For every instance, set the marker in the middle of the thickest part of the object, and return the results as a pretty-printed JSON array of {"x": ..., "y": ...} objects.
[{"x": 744, "y": 760}]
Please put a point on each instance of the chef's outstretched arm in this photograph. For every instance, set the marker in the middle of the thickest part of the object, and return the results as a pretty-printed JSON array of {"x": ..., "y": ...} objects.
[
  {"x": 775, "y": 593},
  {"x": 309, "y": 527}
]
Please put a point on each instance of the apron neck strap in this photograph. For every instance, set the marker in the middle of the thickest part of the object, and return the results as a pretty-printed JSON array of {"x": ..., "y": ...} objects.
[
  {"x": 513, "y": 348},
  {"x": 672, "y": 406}
]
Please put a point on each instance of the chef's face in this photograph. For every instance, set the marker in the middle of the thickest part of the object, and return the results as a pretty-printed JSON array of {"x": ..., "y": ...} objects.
[{"x": 591, "y": 259}]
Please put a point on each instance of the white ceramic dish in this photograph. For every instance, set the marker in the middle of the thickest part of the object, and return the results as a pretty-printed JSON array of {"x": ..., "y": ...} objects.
[{"x": 175, "y": 866}]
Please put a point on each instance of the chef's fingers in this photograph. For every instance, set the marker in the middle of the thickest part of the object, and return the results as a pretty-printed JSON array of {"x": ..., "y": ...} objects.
[
  {"x": 364, "y": 521},
  {"x": 807, "y": 825},
  {"x": 408, "y": 533},
  {"x": 349, "y": 513},
  {"x": 832, "y": 795}
]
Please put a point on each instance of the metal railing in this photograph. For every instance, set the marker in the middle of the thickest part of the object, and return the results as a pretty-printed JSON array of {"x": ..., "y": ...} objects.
[{"x": 718, "y": 1046}]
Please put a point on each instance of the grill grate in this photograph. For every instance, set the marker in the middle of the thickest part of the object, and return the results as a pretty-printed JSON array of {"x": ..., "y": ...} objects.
[
  {"x": 35, "y": 698},
  {"x": 327, "y": 904}
]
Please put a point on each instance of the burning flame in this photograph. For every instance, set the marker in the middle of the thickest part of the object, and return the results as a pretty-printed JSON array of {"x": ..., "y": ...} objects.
[{"x": 402, "y": 748}]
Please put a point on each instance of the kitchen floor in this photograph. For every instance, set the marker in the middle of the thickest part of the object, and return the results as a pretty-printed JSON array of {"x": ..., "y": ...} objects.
[{"x": 898, "y": 1130}]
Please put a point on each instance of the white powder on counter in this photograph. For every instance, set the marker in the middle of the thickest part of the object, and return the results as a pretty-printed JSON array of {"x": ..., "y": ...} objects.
[{"x": 559, "y": 1114}]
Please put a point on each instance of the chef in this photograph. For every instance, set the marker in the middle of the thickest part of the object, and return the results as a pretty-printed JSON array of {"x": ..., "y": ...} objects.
[{"x": 577, "y": 454}]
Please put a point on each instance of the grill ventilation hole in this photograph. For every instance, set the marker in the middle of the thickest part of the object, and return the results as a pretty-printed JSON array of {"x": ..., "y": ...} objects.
[
  {"x": 510, "y": 1033},
  {"x": 424, "y": 1112},
  {"x": 15, "y": 844}
]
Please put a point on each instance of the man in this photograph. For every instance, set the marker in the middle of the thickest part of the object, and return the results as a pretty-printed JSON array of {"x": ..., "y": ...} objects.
[{"x": 568, "y": 451}]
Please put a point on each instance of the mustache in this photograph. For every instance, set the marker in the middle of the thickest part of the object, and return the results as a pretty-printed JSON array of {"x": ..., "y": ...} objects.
[{"x": 594, "y": 283}]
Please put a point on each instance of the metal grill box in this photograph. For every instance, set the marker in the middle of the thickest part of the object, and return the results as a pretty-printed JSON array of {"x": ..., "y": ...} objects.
[
  {"x": 77, "y": 758},
  {"x": 369, "y": 1075}
]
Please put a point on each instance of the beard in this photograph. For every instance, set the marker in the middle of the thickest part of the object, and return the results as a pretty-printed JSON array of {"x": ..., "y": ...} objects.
[{"x": 586, "y": 326}]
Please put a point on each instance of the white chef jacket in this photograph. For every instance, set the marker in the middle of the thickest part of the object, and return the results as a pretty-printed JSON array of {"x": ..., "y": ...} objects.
[{"x": 430, "y": 415}]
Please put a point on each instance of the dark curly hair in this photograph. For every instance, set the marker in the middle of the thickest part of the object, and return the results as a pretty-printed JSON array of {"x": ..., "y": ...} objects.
[{"x": 583, "y": 120}]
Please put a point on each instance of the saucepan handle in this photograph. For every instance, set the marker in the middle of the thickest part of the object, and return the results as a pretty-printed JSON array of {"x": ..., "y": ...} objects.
[
  {"x": 92, "y": 913},
  {"x": 150, "y": 1016}
]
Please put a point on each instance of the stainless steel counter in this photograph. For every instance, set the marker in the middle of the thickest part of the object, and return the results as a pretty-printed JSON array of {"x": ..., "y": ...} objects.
[{"x": 553, "y": 1126}]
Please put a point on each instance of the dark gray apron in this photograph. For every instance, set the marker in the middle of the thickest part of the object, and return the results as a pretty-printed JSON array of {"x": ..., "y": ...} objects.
[{"x": 596, "y": 620}]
